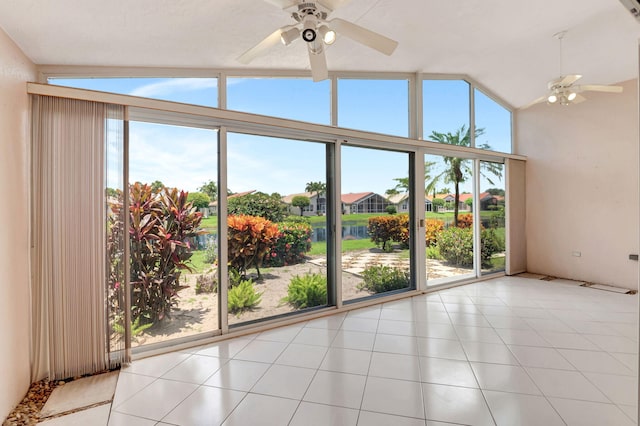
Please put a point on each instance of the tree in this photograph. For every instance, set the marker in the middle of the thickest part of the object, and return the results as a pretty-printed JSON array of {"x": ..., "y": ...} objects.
[
  {"x": 444, "y": 190},
  {"x": 258, "y": 204},
  {"x": 301, "y": 202},
  {"x": 458, "y": 170},
  {"x": 317, "y": 188},
  {"x": 156, "y": 185},
  {"x": 402, "y": 184},
  {"x": 199, "y": 199},
  {"x": 496, "y": 191},
  {"x": 469, "y": 202},
  {"x": 211, "y": 189}
]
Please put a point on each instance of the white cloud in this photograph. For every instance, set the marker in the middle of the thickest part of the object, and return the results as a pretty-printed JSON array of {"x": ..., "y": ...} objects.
[{"x": 174, "y": 85}]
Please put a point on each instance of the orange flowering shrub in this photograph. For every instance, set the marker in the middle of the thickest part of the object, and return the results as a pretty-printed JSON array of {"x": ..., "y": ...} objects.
[
  {"x": 250, "y": 240},
  {"x": 384, "y": 229},
  {"x": 465, "y": 220},
  {"x": 434, "y": 227}
]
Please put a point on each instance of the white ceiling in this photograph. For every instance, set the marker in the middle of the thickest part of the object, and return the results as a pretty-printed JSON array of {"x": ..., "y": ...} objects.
[{"x": 506, "y": 45}]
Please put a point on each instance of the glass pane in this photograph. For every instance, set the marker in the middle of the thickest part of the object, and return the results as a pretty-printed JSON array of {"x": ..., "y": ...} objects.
[
  {"x": 449, "y": 221},
  {"x": 492, "y": 215},
  {"x": 277, "y": 227},
  {"x": 173, "y": 185},
  {"x": 115, "y": 235},
  {"x": 375, "y": 222},
  {"x": 380, "y": 106},
  {"x": 293, "y": 98},
  {"x": 197, "y": 91},
  {"x": 445, "y": 106},
  {"x": 493, "y": 124}
]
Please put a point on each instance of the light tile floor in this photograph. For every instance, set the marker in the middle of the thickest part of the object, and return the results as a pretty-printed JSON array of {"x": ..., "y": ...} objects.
[{"x": 509, "y": 351}]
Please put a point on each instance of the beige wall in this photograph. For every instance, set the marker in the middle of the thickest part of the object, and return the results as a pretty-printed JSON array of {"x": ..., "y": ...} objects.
[
  {"x": 15, "y": 70},
  {"x": 582, "y": 187}
]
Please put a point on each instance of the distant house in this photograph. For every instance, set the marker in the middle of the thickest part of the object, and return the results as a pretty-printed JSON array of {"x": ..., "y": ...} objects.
[
  {"x": 449, "y": 199},
  {"x": 401, "y": 201},
  {"x": 317, "y": 204},
  {"x": 213, "y": 206},
  {"x": 489, "y": 201},
  {"x": 364, "y": 202}
]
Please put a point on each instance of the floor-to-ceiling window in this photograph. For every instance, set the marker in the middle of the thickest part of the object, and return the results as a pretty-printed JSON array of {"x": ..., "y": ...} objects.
[
  {"x": 173, "y": 231},
  {"x": 449, "y": 222},
  {"x": 277, "y": 242},
  {"x": 376, "y": 237},
  {"x": 491, "y": 202}
]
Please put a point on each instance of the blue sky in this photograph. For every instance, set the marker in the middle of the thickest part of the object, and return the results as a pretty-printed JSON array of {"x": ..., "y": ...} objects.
[{"x": 186, "y": 157}]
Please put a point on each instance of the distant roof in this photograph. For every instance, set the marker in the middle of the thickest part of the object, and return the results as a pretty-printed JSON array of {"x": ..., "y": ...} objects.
[
  {"x": 288, "y": 198},
  {"x": 398, "y": 198},
  {"x": 236, "y": 195},
  {"x": 352, "y": 197}
]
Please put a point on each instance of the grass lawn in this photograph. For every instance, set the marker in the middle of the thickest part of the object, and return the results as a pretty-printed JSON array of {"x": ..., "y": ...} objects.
[
  {"x": 209, "y": 223},
  {"x": 320, "y": 248},
  {"x": 197, "y": 263}
]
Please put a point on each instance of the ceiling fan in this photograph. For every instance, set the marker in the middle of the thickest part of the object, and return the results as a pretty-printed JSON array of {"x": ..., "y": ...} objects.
[
  {"x": 313, "y": 27},
  {"x": 562, "y": 90}
]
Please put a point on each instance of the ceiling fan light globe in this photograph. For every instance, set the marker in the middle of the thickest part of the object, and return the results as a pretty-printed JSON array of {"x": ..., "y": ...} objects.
[
  {"x": 327, "y": 34},
  {"x": 571, "y": 96},
  {"x": 552, "y": 99},
  {"x": 287, "y": 37}
]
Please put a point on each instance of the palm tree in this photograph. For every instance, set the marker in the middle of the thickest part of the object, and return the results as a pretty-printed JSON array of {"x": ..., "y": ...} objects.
[
  {"x": 316, "y": 188},
  {"x": 402, "y": 184},
  {"x": 458, "y": 170}
]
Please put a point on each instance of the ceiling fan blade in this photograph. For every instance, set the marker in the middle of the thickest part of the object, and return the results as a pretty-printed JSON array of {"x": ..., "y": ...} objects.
[
  {"x": 318, "y": 63},
  {"x": 578, "y": 99},
  {"x": 283, "y": 4},
  {"x": 598, "y": 88},
  {"x": 537, "y": 101},
  {"x": 333, "y": 4},
  {"x": 568, "y": 80},
  {"x": 257, "y": 50},
  {"x": 364, "y": 36}
]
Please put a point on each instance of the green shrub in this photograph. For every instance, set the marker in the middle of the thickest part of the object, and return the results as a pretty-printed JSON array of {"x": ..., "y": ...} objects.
[
  {"x": 307, "y": 291},
  {"x": 491, "y": 244},
  {"x": 258, "y": 204},
  {"x": 242, "y": 297},
  {"x": 297, "y": 219},
  {"x": 391, "y": 209},
  {"x": 291, "y": 244},
  {"x": 456, "y": 245},
  {"x": 136, "y": 328},
  {"x": 433, "y": 252},
  {"x": 380, "y": 279},
  {"x": 206, "y": 283}
]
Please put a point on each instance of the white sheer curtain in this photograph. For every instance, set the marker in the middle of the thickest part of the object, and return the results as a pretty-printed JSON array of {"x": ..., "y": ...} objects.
[{"x": 71, "y": 330}]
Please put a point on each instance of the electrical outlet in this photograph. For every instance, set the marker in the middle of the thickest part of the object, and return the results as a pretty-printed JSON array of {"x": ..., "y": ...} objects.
[{"x": 576, "y": 254}]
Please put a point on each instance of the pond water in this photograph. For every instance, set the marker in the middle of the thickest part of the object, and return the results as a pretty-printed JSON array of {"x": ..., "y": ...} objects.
[{"x": 350, "y": 231}]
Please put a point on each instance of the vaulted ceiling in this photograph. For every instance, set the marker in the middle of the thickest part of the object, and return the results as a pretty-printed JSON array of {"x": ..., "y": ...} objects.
[{"x": 508, "y": 46}]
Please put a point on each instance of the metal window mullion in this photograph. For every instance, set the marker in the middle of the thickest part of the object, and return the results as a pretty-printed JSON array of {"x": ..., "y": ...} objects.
[
  {"x": 127, "y": 242},
  {"x": 472, "y": 116},
  {"x": 223, "y": 249},
  {"x": 417, "y": 215},
  {"x": 336, "y": 225},
  {"x": 477, "y": 243}
]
